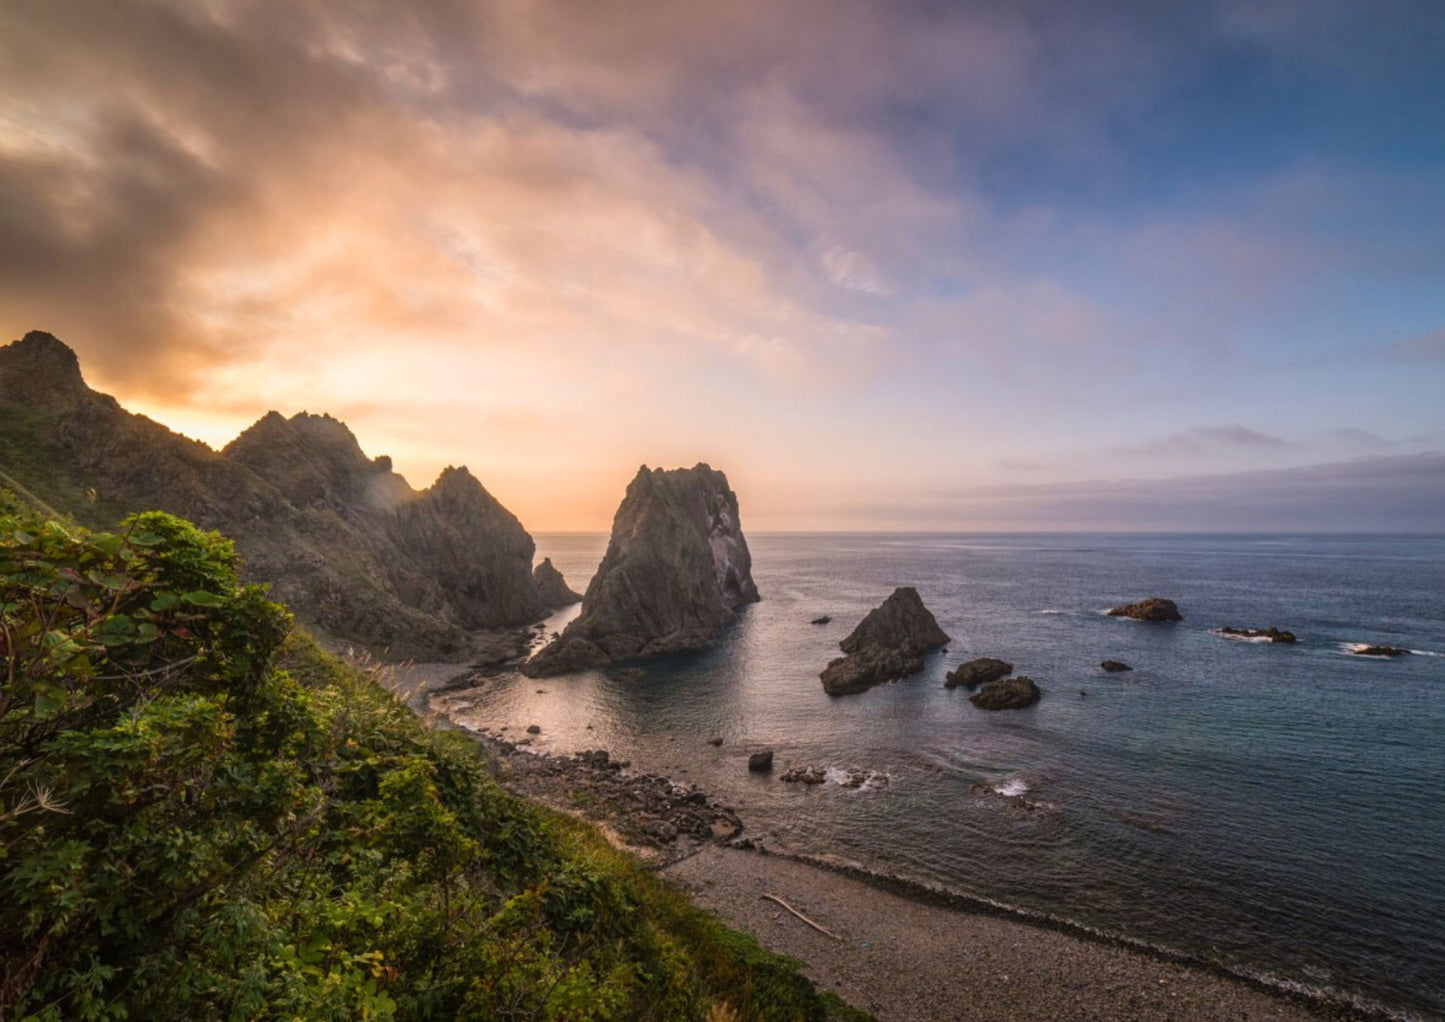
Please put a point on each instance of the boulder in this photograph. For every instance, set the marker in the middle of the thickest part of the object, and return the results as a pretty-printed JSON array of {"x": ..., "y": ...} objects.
[
  {"x": 1153, "y": 608},
  {"x": 887, "y": 645},
  {"x": 552, "y": 588},
  {"x": 761, "y": 762},
  {"x": 1272, "y": 634},
  {"x": 978, "y": 672},
  {"x": 1008, "y": 694},
  {"x": 677, "y": 568},
  {"x": 1115, "y": 666}
]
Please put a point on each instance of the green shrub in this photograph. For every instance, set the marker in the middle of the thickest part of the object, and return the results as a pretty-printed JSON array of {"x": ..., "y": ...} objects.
[{"x": 203, "y": 815}]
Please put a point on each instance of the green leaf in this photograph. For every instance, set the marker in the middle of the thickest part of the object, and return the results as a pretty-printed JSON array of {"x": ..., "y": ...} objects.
[{"x": 201, "y": 598}]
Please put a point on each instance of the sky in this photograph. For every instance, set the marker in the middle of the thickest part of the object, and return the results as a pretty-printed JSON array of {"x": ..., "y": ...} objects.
[{"x": 891, "y": 265}]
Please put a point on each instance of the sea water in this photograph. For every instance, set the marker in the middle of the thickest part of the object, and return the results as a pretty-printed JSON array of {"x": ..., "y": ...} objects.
[{"x": 1275, "y": 810}]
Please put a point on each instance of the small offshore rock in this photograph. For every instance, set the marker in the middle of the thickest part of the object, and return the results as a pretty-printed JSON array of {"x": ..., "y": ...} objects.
[
  {"x": 804, "y": 775},
  {"x": 977, "y": 672},
  {"x": 761, "y": 762},
  {"x": 1008, "y": 694},
  {"x": 534, "y": 729},
  {"x": 714, "y": 740},
  {"x": 1115, "y": 666},
  {"x": 1381, "y": 651},
  {"x": 1272, "y": 634},
  {"x": 1154, "y": 608},
  {"x": 821, "y": 620},
  {"x": 887, "y": 645}
]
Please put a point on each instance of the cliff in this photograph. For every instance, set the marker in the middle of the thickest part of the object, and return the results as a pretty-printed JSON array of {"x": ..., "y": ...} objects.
[
  {"x": 677, "y": 568},
  {"x": 355, "y": 551}
]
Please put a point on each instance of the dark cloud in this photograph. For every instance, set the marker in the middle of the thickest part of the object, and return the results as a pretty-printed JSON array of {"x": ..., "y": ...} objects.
[{"x": 1208, "y": 439}]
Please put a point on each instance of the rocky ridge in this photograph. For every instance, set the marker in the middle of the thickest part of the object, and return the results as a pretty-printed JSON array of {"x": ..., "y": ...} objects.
[
  {"x": 354, "y": 551},
  {"x": 677, "y": 569}
]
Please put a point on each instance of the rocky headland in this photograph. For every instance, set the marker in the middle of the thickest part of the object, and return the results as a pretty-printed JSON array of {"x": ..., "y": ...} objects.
[
  {"x": 888, "y": 644},
  {"x": 677, "y": 569},
  {"x": 357, "y": 554},
  {"x": 1153, "y": 608}
]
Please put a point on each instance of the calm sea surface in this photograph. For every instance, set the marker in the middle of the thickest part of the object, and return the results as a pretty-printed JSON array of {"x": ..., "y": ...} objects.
[{"x": 1278, "y": 810}]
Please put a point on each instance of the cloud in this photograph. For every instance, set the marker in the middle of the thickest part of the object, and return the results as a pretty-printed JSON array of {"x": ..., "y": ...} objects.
[
  {"x": 1426, "y": 347},
  {"x": 1206, "y": 440},
  {"x": 1382, "y": 494}
]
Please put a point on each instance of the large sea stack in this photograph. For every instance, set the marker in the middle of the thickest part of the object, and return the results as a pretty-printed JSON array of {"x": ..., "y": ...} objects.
[
  {"x": 676, "y": 569},
  {"x": 356, "y": 552},
  {"x": 887, "y": 645}
]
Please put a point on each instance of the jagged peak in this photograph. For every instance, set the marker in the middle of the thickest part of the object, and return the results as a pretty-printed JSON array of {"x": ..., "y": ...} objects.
[{"x": 42, "y": 370}]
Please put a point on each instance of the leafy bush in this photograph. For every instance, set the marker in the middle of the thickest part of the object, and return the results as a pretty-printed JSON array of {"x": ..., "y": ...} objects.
[{"x": 203, "y": 815}]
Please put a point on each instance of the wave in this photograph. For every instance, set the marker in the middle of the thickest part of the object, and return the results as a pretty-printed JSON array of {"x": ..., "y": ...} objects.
[
  {"x": 1012, "y": 788},
  {"x": 1239, "y": 638},
  {"x": 1052, "y": 611}
]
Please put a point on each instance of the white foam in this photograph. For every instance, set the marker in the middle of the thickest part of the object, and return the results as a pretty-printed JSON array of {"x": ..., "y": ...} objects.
[
  {"x": 1012, "y": 788},
  {"x": 1241, "y": 638},
  {"x": 1053, "y": 611}
]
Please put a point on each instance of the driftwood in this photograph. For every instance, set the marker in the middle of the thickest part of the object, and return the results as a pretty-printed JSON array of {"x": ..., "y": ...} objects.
[{"x": 790, "y": 908}]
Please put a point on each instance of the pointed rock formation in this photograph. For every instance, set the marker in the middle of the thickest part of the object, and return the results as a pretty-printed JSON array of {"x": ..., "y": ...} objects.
[
  {"x": 887, "y": 645},
  {"x": 676, "y": 569},
  {"x": 355, "y": 551},
  {"x": 552, "y": 588}
]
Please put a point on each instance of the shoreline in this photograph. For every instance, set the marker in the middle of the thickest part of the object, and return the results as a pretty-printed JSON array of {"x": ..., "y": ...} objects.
[{"x": 721, "y": 872}]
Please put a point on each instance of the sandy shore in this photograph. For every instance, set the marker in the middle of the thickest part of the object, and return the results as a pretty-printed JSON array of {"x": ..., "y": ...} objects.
[{"x": 906, "y": 960}]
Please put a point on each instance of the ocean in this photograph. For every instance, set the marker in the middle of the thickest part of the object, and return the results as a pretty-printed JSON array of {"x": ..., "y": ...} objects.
[{"x": 1278, "y": 811}]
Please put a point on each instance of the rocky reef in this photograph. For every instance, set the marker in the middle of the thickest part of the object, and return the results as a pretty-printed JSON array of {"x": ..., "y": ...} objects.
[
  {"x": 1153, "y": 608},
  {"x": 1389, "y": 651},
  {"x": 552, "y": 588},
  {"x": 1007, "y": 694},
  {"x": 887, "y": 645},
  {"x": 677, "y": 569},
  {"x": 978, "y": 672},
  {"x": 355, "y": 552}
]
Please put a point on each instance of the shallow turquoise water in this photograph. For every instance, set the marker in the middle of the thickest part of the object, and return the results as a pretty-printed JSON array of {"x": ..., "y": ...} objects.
[{"x": 1279, "y": 810}]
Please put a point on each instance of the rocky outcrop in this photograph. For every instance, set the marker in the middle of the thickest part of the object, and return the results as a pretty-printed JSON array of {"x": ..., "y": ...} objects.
[
  {"x": 1152, "y": 609},
  {"x": 977, "y": 672},
  {"x": 887, "y": 645},
  {"x": 552, "y": 588},
  {"x": 677, "y": 568},
  {"x": 1008, "y": 694},
  {"x": 341, "y": 538},
  {"x": 1115, "y": 666},
  {"x": 1270, "y": 634}
]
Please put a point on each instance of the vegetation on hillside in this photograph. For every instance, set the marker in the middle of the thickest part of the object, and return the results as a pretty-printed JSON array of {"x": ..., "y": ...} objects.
[{"x": 203, "y": 815}]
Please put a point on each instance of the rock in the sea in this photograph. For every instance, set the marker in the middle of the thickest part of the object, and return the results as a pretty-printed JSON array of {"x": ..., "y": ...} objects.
[
  {"x": 1008, "y": 694},
  {"x": 1380, "y": 651},
  {"x": 804, "y": 775},
  {"x": 676, "y": 570},
  {"x": 534, "y": 729},
  {"x": 714, "y": 741},
  {"x": 1152, "y": 609},
  {"x": 821, "y": 620},
  {"x": 552, "y": 588},
  {"x": 977, "y": 672},
  {"x": 1115, "y": 666},
  {"x": 761, "y": 762},
  {"x": 888, "y": 644},
  {"x": 1272, "y": 634}
]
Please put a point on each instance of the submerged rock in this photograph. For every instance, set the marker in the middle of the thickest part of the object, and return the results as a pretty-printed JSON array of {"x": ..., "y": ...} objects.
[
  {"x": 1153, "y": 608},
  {"x": 676, "y": 570},
  {"x": 977, "y": 672},
  {"x": 1008, "y": 694},
  {"x": 552, "y": 588},
  {"x": 1115, "y": 666},
  {"x": 888, "y": 644},
  {"x": 1272, "y": 634}
]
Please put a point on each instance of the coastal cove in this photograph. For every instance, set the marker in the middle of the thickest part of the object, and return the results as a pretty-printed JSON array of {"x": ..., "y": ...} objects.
[{"x": 1269, "y": 809}]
